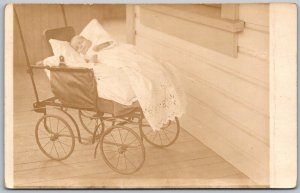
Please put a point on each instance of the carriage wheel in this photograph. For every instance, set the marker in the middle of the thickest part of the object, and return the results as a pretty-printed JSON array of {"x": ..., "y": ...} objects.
[
  {"x": 90, "y": 122},
  {"x": 165, "y": 137},
  {"x": 122, "y": 149},
  {"x": 54, "y": 137}
]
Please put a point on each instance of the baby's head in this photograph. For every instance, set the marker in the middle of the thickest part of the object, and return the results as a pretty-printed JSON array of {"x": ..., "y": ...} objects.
[{"x": 80, "y": 44}]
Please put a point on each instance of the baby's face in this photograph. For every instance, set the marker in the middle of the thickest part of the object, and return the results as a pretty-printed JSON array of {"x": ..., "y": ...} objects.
[{"x": 80, "y": 44}]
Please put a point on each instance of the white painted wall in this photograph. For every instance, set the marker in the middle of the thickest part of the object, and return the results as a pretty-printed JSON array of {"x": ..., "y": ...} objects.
[{"x": 227, "y": 96}]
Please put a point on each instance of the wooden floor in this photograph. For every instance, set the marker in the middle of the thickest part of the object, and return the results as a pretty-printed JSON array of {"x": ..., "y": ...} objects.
[{"x": 187, "y": 163}]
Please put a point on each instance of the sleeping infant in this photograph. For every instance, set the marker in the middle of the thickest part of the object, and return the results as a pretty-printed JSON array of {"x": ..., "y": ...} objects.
[{"x": 82, "y": 45}]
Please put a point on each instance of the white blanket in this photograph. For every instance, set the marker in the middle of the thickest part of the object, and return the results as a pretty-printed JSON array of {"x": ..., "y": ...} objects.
[{"x": 154, "y": 84}]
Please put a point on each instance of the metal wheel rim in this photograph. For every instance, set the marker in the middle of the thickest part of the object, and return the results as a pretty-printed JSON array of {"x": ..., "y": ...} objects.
[
  {"x": 171, "y": 141},
  {"x": 72, "y": 145},
  {"x": 137, "y": 137}
]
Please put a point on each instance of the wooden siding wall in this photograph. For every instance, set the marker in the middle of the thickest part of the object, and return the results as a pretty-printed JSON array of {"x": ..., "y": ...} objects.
[
  {"x": 227, "y": 96},
  {"x": 35, "y": 18},
  {"x": 201, "y": 19}
]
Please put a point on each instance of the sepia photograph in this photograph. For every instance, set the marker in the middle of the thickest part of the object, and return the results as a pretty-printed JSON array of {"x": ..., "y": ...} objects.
[{"x": 150, "y": 96}]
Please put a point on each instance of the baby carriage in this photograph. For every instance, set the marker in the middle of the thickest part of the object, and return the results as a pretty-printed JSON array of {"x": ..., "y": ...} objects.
[{"x": 118, "y": 131}]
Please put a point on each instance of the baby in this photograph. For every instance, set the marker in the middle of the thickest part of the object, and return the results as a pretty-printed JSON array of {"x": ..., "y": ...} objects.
[{"x": 82, "y": 46}]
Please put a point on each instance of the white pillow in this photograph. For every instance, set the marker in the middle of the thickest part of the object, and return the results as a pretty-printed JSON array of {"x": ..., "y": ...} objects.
[
  {"x": 94, "y": 32},
  {"x": 63, "y": 48}
]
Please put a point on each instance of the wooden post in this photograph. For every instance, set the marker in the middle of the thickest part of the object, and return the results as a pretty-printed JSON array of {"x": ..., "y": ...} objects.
[
  {"x": 130, "y": 24},
  {"x": 283, "y": 95}
]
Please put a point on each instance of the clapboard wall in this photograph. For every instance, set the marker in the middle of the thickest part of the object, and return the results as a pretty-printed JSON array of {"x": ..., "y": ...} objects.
[
  {"x": 35, "y": 18},
  {"x": 227, "y": 95}
]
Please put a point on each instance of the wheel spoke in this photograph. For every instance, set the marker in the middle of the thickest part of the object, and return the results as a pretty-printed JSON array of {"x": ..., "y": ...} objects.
[
  {"x": 132, "y": 141},
  {"x": 67, "y": 136},
  {"x": 160, "y": 139},
  {"x": 61, "y": 130},
  {"x": 154, "y": 136},
  {"x": 118, "y": 160},
  {"x": 62, "y": 146},
  {"x": 166, "y": 135},
  {"x": 126, "y": 136},
  {"x": 57, "y": 125},
  {"x": 56, "y": 149},
  {"x": 127, "y": 150},
  {"x": 44, "y": 137},
  {"x": 110, "y": 146},
  {"x": 125, "y": 161},
  {"x": 120, "y": 136},
  {"x": 51, "y": 148},
  {"x": 132, "y": 147},
  {"x": 113, "y": 137},
  {"x": 114, "y": 155},
  {"x": 65, "y": 144},
  {"x": 111, "y": 143},
  {"x": 171, "y": 128},
  {"x": 129, "y": 161},
  {"x": 46, "y": 144},
  {"x": 169, "y": 131}
]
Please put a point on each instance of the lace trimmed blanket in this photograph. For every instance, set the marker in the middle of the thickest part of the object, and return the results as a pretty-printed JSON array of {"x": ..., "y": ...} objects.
[{"x": 155, "y": 85}]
